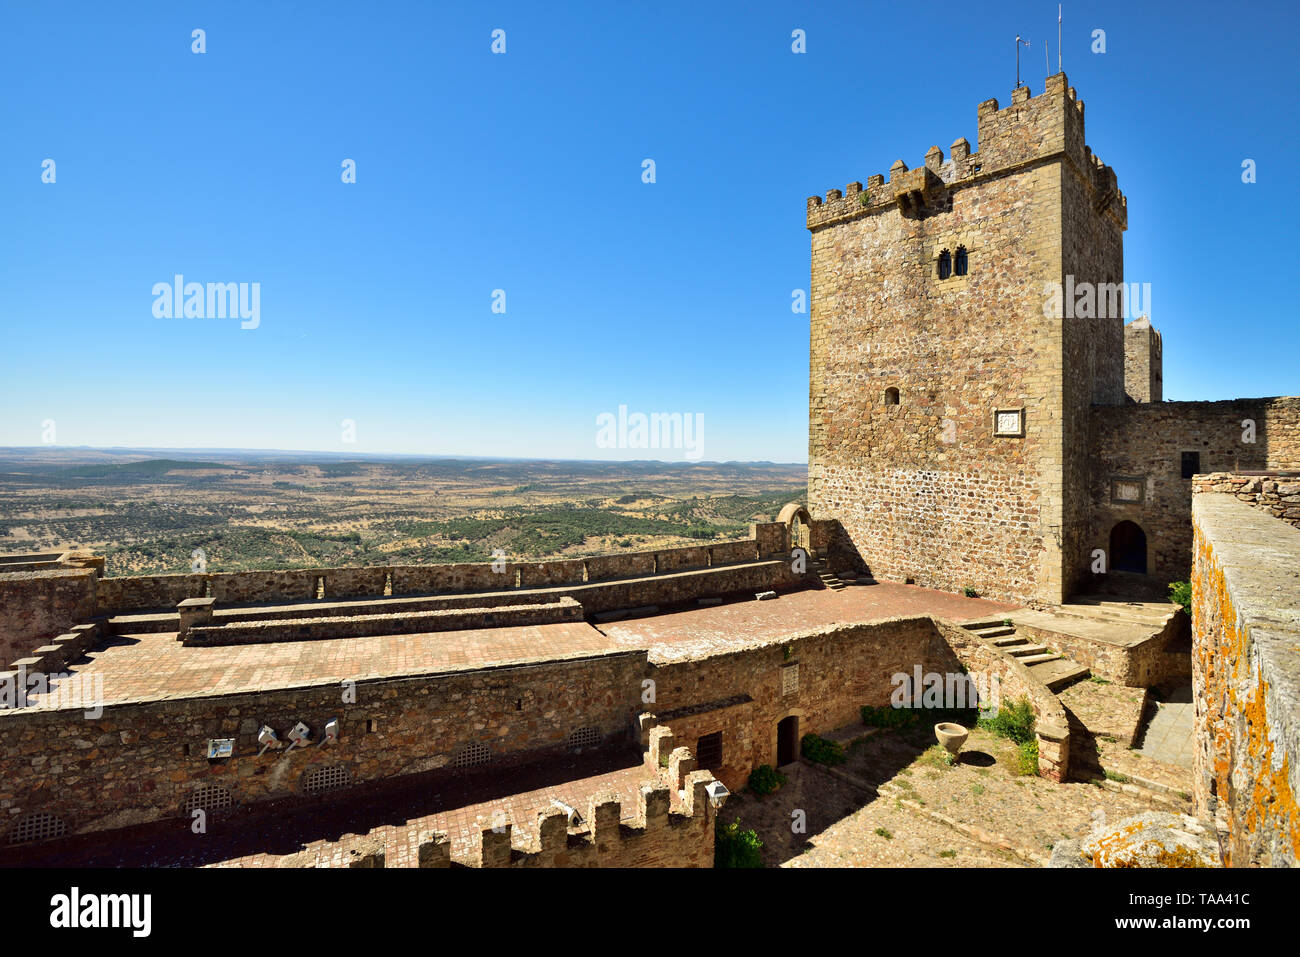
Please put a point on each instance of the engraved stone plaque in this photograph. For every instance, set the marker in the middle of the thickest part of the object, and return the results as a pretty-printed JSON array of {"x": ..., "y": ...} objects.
[{"x": 1008, "y": 422}]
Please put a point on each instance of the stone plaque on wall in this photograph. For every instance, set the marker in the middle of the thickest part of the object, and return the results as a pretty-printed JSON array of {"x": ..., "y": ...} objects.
[
  {"x": 789, "y": 680},
  {"x": 1126, "y": 490},
  {"x": 1009, "y": 422}
]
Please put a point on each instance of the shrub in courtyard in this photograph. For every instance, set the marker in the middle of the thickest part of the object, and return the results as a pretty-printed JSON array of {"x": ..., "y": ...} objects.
[
  {"x": 765, "y": 779},
  {"x": 887, "y": 717},
  {"x": 736, "y": 847},
  {"x": 1180, "y": 593},
  {"x": 1014, "y": 720},
  {"x": 820, "y": 751},
  {"x": 1027, "y": 757}
]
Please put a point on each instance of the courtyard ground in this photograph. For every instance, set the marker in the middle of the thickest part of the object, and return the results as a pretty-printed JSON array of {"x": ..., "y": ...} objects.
[{"x": 896, "y": 803}]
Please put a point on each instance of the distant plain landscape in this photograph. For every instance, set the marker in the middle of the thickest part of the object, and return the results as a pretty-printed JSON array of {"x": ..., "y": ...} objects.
[{"x": 148, "y": 510}]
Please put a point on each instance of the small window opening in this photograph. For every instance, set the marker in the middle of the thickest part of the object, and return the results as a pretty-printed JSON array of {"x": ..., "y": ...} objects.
[
  {"x": 891, "y": 396},
  {"x": 945, "y": 264},
  {"x": 1191, "y": 464},
  {"x": 960, "y": 264}
]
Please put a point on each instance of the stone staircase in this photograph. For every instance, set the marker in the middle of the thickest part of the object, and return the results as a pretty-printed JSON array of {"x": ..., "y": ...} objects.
[
  {"x": 827, "y": 577},
  {"x": 1053, "y": 669}
]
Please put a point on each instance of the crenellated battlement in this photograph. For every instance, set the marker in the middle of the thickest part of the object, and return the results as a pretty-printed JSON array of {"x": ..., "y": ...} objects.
[
  {"x": 671, "y": 824},
  {"x": 1030, "y": 129}
]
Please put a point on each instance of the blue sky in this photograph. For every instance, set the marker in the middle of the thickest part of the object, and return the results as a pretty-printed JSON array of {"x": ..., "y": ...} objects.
[{"x": 523, "y": 172}]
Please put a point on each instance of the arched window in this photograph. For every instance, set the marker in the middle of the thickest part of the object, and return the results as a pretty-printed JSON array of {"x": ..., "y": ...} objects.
[
  {"x": 891, "y": 396},
  {"x": 945, "y": 264},
  {"x": 959, "y": 262}
]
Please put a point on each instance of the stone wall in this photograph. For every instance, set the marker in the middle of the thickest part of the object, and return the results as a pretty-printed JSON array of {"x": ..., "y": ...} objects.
[
  {"x": 743, "y": 694},
  {"x": 657, "y": 835},
  {"x": 1143, "y": 362},
  {"x": 140, "y": 593},
  {"x": 400, "y": 623},
  {"x": 1271, "y": 494},
  {"x": 37, "y": 606},
  {"x": 922, "y": 486},
  {"x": 1246, "y": 680},
  {"x": 658, "y": 832},
  {"x": 1145, "y": 443},
  {"x": 139, "y": 762}
]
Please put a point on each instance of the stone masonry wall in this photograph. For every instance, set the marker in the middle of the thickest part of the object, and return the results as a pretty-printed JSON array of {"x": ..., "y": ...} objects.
[
  {"x": 1143, "y": 362},
  {"x": 742, "y": 693},
  {"x": 1246, "y": 680},
  {"x": 139, "y": 762},
  {"x": 138, "y": 593},
  {"x": 1145, "y": 442},
  {"x": 923, "y": 489},
  {"x": 1278, "y": 497},
  {"x": 37, "y": 606}
]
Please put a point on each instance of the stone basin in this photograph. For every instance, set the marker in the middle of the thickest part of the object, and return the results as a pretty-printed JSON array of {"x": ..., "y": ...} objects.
[{"x": 951, "y": 736}]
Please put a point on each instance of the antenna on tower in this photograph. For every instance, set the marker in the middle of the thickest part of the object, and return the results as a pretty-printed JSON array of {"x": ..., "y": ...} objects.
[
  {"x": 1059, "y": 68},
  {"x": 1018, "y": 42}
]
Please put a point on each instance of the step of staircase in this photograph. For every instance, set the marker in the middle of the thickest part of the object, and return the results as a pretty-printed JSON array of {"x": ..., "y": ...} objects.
[
  {"x": 993, "y": 631},
  {"x": 1021, "y": 651},
  {"x": 827, "y": 577},
  {"x": 1054, "y": 670},
  {"x": 1035, "y": 659},
  {"x": 975, "y": 624},
  {"x": 1060, "y": 673}
]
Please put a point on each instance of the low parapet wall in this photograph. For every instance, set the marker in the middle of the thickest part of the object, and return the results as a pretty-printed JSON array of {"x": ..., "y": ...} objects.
[
  {"x": 124, "y": 764},
  {"x": 401, "y": 623},
  {"x": 136, "y": 593},
  {"x": 655, "y": 834},
  {"x": 1276, "y": 494},
  {"x": 1246, "y": 679}
]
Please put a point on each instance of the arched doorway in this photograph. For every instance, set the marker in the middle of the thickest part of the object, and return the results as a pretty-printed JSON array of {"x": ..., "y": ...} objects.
[
  {"x": 798, "y": 525},
  {"x": 1128, "y": 548},
  {"x": 787, "y": 740}
]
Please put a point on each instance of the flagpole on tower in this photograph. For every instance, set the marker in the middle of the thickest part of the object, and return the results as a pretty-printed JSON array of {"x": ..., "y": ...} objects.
[{"x": 1059, "y": 68}]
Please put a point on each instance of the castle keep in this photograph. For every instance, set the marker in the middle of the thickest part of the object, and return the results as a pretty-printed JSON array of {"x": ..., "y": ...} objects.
[{"x": 979, "y": 414}]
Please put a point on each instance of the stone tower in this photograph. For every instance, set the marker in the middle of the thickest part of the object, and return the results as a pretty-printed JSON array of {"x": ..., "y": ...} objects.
[
  {"x": 1143, "y": 362},
  {"x": 950, "y": 386}
]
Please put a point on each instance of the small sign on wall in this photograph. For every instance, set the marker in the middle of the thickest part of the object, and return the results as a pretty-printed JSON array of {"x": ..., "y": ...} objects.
[
  {"x": 220, "y": 748},
  {"x": 1009, "y": 423},
  {"x": 789, "y": 680},
  {"x": 1127, "y": 490}
]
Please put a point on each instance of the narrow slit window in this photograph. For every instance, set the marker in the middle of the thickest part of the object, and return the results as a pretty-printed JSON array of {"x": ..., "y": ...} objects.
[
  {"x": 960, "y": 264},
  {"x": 945, "y": 264}
]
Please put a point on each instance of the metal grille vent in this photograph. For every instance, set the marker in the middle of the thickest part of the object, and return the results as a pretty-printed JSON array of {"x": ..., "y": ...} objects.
[
  {"x": 37, "y": 826},
  {"x": 583, "y": 738},
  {"x": 471, "y": 756},
  {"x": 207, "y": 797},
  {"x": 319, "y": 780}
]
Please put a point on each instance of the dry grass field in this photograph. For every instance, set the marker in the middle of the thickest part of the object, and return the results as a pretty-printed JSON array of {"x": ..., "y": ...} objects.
[{"x": 148, "y": 511}]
